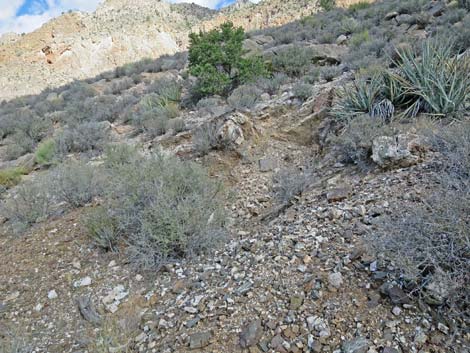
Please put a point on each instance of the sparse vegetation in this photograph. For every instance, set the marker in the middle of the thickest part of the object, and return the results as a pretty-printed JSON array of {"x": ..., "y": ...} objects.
[{"x": 428, "y": 241}]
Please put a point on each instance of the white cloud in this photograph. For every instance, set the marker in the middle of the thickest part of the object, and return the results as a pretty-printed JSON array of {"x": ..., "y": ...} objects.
[
  {"x": 8, "y": 8},
  {"x": 38, "y": 16}
]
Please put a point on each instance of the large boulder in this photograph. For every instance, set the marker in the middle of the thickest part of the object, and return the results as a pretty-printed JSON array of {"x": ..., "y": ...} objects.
[
  {"x": 255, "y": 44},
  {"x": 398, "y": 151}
]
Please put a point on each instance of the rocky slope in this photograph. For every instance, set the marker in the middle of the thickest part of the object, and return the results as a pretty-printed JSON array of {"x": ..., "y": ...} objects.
[{"x": 80, "y": 45}]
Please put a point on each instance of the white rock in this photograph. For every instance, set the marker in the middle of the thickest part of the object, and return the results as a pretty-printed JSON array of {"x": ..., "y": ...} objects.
[
  {"x": 86, "y": 281},
  {"x": 335, "y": 279},
  {"x": 52, "y": 294},
  {"x": 396, "y": 311}
]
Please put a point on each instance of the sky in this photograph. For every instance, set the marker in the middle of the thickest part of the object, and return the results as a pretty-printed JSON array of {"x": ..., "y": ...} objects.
[{"x": 23, "y": 16}]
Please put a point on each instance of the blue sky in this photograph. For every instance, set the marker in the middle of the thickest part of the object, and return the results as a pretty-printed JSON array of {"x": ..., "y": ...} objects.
[{"x": 27, "y": 15}]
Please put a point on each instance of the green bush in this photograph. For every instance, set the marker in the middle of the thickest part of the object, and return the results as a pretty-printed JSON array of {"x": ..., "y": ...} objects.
[
  {"x": 45, "y": 152},
  {"x": 166, "y": 209},
  {"x": 216, "y": 59},
  {"x": 12, "y": 176},
  {"x": 327, "y": 5}
]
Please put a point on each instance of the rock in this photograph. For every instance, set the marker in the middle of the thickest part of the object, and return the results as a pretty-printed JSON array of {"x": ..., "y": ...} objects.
[
  {"x": 389, "y": 350},
  {"x": 404, "y": 19},
  {"x": 251, "y": 334},
  {"x": 401, "y": 151},
  {"x": 342, "y": 39},
  {"x": 251, "y": 48},
  {"x": 396, "y": 311},
  {"x": 335, "y": 279},
  {"x": 277, "y": 343},
  {"x": 338, "y": 194},
  {"x": 199, "y": 340},
  {"x": 113, "y": 299},
  {"x": 395, "y": 293},
  {"x": 87, "y": 310},
  {"x": 52, "y": 294},
  {"x": 325, "y": 53},
  {"x": 436, "y": 293},
  {"x": 266, "y": 165},
  {"x": 391, "y": 15},
  {"x": 229, "y": 133},
  {"x": 86, "y": 281},
  {"x": 357, "y": 345},
  {"x": 27, "y": 161},
  {"x": 296, "y": 302}
]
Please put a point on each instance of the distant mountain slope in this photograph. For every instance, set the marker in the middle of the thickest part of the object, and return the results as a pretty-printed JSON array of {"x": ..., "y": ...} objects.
[{"x": 79, "y": 45}]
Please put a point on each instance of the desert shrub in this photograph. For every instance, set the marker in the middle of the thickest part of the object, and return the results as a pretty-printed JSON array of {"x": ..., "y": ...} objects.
[
  {"x": 20, "y": 144},
  {"x": 88, "y": 137},
  {"x": 428, "y": 241},
  {"x": 329, "y": 73},
  {"x": 166, "y": 90},
  {"x": 11, "y": 176},
  {"x": 29, "y": 204},
  {"x": 350, "y": 25},
  {"x": 272, "y": 84},
  {"x": 102, "y": 228},
  {"x": 436, "y": 78},
  {"x": 119, "y": 85},
  {"x": 166, "y": 209},
  {"x": 294, "y": 60},
  {"x": 244, "y": 97},
  {"x": 359, "y": 38},
  {"x": 354, "y": 142},
  {"x": 75, "y": 183},
  {"x": 361, "y": 5},
  {"x": 155, "y": 113},
  {"x": 177, "y": 125},
  {"x": 327, "y": 5},
  {"x": 45, "y": 152},
  {"x": 312, "y": 76},
  {"x": 302, "y": 91},
  {"x": 465, "y": 4},
  {"x": 291, "y": 182},
  {"x": 215, "y": 58}
]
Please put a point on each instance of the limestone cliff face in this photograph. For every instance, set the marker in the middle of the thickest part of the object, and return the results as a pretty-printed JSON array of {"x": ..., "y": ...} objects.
[{"x": 79, "y": 45}]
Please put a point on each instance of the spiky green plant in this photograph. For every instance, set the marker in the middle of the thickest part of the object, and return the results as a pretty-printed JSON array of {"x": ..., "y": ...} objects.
[
  {"x": 435, "y": 76},
  {"x": 358, "y": 99}
]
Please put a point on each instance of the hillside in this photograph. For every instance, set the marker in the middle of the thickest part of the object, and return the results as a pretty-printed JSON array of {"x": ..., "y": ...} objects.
[
  {"x": 302, "y": 186},
  {"x": 81, "y": 45}
]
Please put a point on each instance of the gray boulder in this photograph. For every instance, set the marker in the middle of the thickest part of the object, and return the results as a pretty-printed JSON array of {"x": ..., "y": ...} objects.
[{"x": 398, "y": 151}]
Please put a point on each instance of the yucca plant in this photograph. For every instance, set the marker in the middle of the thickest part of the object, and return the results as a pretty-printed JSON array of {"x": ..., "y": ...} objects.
[
  {"x": 436, "y": 77},
  {"x": 358, "y": 99}
]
